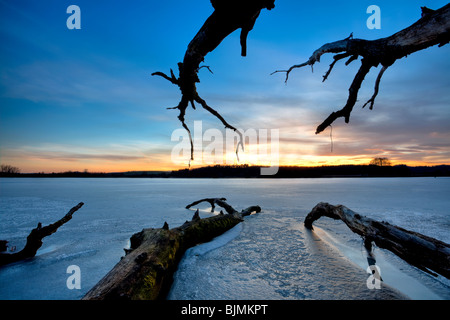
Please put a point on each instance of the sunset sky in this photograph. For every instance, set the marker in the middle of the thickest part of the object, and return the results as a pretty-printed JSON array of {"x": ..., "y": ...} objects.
[{"x": 85, "y": 99}]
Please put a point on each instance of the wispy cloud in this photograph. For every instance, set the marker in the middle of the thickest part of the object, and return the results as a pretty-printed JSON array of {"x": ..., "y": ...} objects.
[
  {"x": 115, "y": 157},
  {"x": 75, "y": 83}
]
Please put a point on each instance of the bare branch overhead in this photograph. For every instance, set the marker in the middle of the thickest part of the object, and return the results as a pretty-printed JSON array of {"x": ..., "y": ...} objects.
[
  {"x": 433, "y": 28},
  {"x": 228, "y": 16}
]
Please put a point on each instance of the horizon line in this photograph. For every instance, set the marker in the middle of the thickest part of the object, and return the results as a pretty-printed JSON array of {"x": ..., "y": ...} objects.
[{"x": 87, "y": 172}]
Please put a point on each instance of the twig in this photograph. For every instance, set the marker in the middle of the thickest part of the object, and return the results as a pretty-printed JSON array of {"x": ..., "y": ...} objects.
[{"x": 377, "y": 85}]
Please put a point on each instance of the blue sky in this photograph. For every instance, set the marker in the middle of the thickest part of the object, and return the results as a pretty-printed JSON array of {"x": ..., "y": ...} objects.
[{"x": 84, "y": 99}]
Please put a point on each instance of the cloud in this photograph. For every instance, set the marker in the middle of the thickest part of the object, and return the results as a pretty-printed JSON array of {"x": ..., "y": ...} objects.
[
  {"x": 68, "y": 153},
  {"x": 112, "y": 157},
  {"x": 75, "y": 83},
  {"x": 406, "y": 124}
]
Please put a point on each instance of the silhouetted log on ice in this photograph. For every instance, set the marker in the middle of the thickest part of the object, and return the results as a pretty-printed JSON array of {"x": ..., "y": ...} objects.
[
  {"x": 34, "y": 239},
  {"x": 423, "y": 252},
  {"x": 146, "y": 271}
]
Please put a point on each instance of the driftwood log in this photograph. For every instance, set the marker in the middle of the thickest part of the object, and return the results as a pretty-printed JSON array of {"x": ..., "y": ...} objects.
[
  {"x": 146, "y": 271},
  {"x": 433, "y": 28},
  {"x": 34, "y": 239},
  {"x": 423, "y": 252}
]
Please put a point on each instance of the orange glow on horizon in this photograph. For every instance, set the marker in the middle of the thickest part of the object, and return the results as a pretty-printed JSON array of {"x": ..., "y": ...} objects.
[{"x": 104, "y": 167}]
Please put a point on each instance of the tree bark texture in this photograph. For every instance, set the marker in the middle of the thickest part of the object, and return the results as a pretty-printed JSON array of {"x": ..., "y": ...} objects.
[
  {"x": 423, "y": 252},
  {"x": 146, "y": 271}
]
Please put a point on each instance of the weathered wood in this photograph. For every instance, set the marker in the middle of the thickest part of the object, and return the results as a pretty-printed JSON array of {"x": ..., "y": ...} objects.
[
  {"x": 146, "y": 271},
  {"x": 212, "y": 202},
  {"x": 34, "y": 239},
  {"x": 423, "y": 252}
]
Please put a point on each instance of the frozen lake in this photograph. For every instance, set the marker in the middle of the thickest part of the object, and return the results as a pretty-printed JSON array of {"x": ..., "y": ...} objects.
[{"x": 268, "y": 256}]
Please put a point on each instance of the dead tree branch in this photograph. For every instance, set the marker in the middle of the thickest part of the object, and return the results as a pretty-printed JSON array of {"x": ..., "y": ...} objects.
[
  {"x": 423, "y": 252},
  {"x": 433, "y": 28},
  {"x": 212, "y": 202},
  {"x": 146, "y": 271},
  {"x": 221, "y": 202},
  {"x": 228, "y": 16},
  {"x": 34, "y": 239}
]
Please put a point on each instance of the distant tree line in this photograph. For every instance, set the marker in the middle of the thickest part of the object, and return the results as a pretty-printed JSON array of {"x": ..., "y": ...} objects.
[
  {"x": 379, "y": 168},
  {"x": 371, "y": 170}
]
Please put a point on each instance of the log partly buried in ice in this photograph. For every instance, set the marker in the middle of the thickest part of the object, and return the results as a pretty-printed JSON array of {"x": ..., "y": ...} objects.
[
  {"x": 34, "y": 239},
  {"x": 423, "y": 252},
  {"x": 146, "y": 271}
]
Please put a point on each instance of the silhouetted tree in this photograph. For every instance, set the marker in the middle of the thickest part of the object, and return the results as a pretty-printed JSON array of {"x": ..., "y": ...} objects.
[
  {"x": 381, "y": 162},
  {"x": 8, "y": 169}
]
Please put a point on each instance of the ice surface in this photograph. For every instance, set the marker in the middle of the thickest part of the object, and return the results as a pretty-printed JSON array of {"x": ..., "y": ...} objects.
[{"x": 268, "y": 256}]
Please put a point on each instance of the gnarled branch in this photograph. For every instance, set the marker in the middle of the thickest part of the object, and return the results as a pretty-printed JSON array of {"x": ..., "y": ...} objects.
[
  {"x": 212, "y": 202},
  {"x": 34, "y": 239},
  {"x": 221, "y": 202},
  {"x": 228, "y": 16},
  {"x": 433, "y": 28},
  {"x": 423, "y": 252}
]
